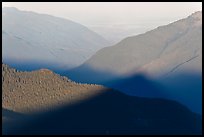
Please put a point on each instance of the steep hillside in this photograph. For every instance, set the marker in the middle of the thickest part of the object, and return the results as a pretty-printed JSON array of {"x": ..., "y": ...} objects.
[
  {"x": 42, "y": 41},
  {"x": 170, "y": 54},
  {"x": 155, "y": 52},
  {"x": 65, "y": 107}
]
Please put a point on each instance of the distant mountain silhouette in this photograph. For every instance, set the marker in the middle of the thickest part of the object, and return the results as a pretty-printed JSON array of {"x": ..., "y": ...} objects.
[
  {"x": 85, "y": 109},
  {"x": 170, "y": 55},
  {"x": 43, "y": 41}
]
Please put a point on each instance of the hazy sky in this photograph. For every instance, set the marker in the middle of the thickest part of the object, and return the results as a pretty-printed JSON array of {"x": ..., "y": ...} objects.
[
  {"x": 111, "y": 18},
  {"x": 90, "y": 13}
]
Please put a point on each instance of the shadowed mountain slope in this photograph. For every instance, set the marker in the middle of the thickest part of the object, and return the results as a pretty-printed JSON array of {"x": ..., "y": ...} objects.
[
  {"x": 57, "y": 105},
  {"x": 170, "y": 55}
]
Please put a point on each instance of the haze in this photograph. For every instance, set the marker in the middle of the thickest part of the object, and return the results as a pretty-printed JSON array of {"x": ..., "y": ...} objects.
[{"x": 114, "y": 20}]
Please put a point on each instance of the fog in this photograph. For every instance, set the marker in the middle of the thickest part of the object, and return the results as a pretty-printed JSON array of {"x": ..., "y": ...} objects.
[{"x": 114, "y": 20}]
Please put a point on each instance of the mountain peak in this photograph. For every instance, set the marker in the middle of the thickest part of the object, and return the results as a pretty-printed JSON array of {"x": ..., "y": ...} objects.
[
  {"x": 196, "y": 17},
  {"x": 45, "y": 71},
  {"x": 197, "y": 14}
]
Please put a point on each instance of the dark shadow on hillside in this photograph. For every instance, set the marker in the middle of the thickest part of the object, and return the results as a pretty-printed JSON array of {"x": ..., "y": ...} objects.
[
  {"x": 86, "y": 74},
  {"x": 185, "y": 87},
  {"x": 112, "y": 112},
  {"x": 11, "y": 114},
  {"x": 9, "y": 117}
]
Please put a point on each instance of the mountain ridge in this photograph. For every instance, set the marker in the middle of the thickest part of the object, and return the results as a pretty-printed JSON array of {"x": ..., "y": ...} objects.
[
  {"x": 31, "y": 32},
  {"x": 97, "y": 110},
  {"x": 166, "y": 54}
]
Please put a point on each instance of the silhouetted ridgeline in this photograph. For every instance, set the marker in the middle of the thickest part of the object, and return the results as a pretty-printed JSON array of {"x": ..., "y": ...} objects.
[{"x": 99, "y": 111}]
